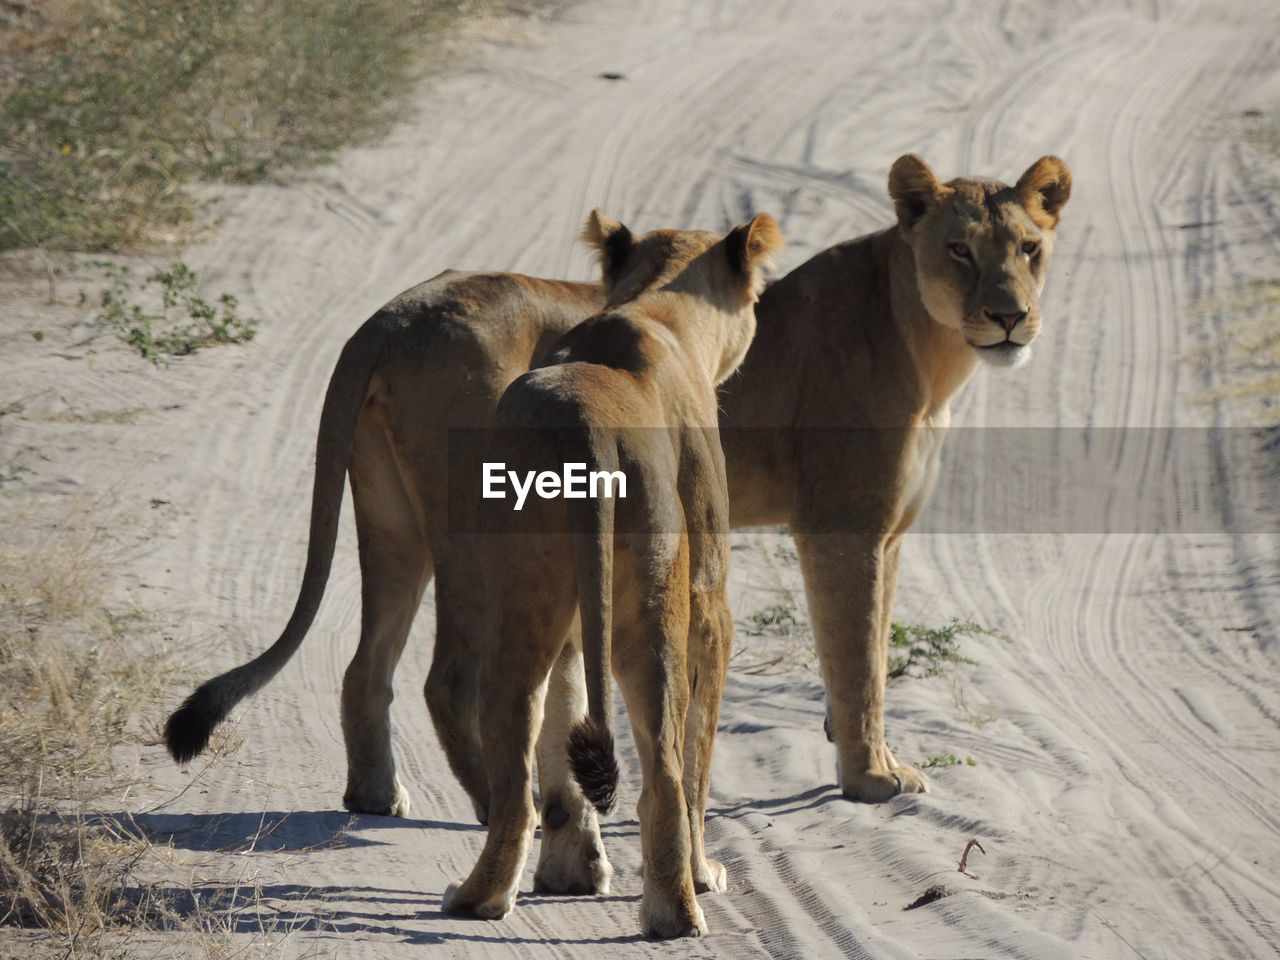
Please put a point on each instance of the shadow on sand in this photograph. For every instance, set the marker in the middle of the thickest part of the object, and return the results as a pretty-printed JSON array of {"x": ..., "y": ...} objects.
[
  {"x": 280, "y": 908},
  {"x": 284, "y": 908},
  {"x": 276, "y": 830}
]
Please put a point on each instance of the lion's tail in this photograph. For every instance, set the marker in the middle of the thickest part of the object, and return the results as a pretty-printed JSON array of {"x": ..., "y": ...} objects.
[
  {"x": 188, "y": 730},
  {"x": 591, "y": 751}
]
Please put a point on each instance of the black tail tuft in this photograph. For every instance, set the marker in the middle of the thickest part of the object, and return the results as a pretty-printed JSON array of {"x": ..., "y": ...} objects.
[
  {"x": 593, "y": 763},
  {"x": 188, "y": 730}
]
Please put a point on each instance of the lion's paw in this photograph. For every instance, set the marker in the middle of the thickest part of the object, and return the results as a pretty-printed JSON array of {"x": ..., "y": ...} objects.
[
  {"x": 450, "y": 902},
  {"x": 575, "y": 877},
  {"x": 912, "y": 780},
  {"x": 877, "y": 786},
  {"x": 710, "y": 877},
  {"x": 385, "y": 802},
  {"x": 572, "y": 858},
  {"x": 458, "y": 901},
  {"x": 666, "y": 920}
]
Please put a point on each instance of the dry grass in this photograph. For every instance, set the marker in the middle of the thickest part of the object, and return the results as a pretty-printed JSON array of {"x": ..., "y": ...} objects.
[
  {"x": 975, "y": 718},
  {"x": 1247, "y": 351},
  {"x": 83, "y": 680},
  {"x": 1243, "y": 353},
  {"x": 110, "y": 109},
  {"x": 76, "y": 679},
  {"x": 1262, "y": 131}
]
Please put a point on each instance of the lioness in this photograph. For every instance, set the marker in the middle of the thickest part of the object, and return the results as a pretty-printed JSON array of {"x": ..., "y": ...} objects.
[
  {"x": 632, "y": 389},
  {"x": 833, "y": 424}
]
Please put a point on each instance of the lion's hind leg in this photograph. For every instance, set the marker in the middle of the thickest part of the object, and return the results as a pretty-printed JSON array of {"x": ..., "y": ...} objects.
[
  {"x": 710, "y": 643},
  {"x": 572, "y": 858},
  {"x": 452, "y": 688},
  {"x": 532, "y": 618},
  {"x": 509, "y": 726},
  {"x": 395, "y": 566},
  {"x": 649, "y": 662}
]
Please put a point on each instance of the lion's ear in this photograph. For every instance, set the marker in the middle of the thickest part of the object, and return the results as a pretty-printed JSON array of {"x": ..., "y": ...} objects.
[
  {"x": 749, "y": 246},
  {"x": 1044, "y": 190},
  {"x": 914, "y": 189},
  {"x": 611, "y": 240}
]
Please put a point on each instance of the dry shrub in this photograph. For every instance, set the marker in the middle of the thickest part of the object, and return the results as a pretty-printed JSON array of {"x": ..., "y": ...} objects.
[
  {"x": 83, "y": 680},
  {"x": 76, "y": 679}
]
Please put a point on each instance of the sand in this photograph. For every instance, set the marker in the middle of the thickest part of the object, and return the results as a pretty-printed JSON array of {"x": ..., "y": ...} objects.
[{"x": 1125, "y": 728}]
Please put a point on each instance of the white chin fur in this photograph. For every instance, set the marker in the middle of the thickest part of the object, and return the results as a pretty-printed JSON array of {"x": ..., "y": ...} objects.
[{"x": 1009, "y": 359}]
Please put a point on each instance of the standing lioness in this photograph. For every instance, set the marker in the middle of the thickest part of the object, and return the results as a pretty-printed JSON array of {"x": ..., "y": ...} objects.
[{"x": 629, "y": 391}]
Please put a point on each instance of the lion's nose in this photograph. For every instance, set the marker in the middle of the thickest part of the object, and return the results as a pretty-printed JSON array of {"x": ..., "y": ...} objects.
[{"x": 1007, "y": 321}]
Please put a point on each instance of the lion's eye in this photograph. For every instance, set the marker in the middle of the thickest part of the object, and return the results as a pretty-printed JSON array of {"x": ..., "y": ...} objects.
[
  {"x": 960, "y": 251},
  {"x": 1031, "y": 249}
]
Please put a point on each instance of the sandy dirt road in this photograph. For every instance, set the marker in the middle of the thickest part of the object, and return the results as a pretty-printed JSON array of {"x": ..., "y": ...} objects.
[{"x": 1126, "y": 734}]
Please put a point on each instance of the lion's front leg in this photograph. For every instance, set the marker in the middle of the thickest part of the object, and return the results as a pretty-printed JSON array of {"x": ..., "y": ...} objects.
[
  {"x": 572, "y": 858},
  {"x": 913, "y": 780},
  {"x": 848, "y": 582}
]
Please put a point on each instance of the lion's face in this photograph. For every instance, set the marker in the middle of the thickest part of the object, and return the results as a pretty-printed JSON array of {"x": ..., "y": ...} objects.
[
  {"x": 982, "y": 250},
  {"x": 716, "y": 278}
]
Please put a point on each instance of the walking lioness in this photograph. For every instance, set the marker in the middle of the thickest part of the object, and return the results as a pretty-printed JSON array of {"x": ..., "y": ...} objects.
[
  {"x": 630, "y": 392},
  {"x": 833, "y": 425}
]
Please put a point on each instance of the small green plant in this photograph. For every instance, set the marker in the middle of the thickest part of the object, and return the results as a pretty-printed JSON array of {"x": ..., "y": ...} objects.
[
  {"x": 185, "y": 322},
  {"x": 945, "y": 760},
  {"x": 1262, "y": 131},
  {"x": 919, "y": 651},
  {"x": 12, "y": 471},
  {"x": 780, "y": 616}
]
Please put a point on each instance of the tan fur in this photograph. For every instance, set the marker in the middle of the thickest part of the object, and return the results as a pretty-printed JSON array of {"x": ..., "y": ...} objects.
[
  {"x": 631, "y": 389},
  {"x": 833, "y": 425}
]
